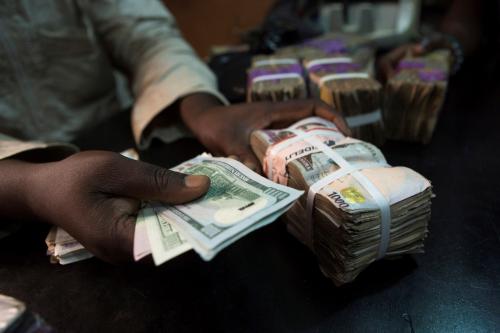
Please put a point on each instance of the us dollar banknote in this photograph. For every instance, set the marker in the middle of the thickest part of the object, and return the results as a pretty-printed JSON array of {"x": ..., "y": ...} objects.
[{"x": 237, "y": 202}]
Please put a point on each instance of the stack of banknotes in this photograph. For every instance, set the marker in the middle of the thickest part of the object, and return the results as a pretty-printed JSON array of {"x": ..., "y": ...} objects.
[
  {"x": 238, "y": 202},
  {"x": 415, "y": 95},
  {"x": 274, "y": 78},
  {"x": 64, "y": 249},
  {"x": 339, "y": 70},
  {"x": 346, "y": 82},
  {"x": 357, "y": 208}
]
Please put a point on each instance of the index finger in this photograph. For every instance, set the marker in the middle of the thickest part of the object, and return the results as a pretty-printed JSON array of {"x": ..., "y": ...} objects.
[
  {"x": 326, "y": 111},
  {"x": 284, "y": 114}
]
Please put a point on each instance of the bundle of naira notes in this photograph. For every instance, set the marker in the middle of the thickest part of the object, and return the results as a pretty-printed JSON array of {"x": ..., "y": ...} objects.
[
  {"x": 274, "y": 78},
  {"x": 339, "y": 70},
  {"x": 238, "y": 202},
  {"x": 414, "y": 96},
  {"x": 356, "y": 208},
  {"x": 346, "y": 82}
]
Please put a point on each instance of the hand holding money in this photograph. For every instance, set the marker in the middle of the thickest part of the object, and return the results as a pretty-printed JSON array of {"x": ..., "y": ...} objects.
[
  {"x": 238, "y": 202},
  {"x": 225, "y": 130},
  {"x": 95, "y": 197}
]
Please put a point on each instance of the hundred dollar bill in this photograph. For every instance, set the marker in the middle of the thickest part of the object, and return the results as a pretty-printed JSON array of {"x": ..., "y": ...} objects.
[
  {"x": 238, "y": 202},
  {"x": 141, "y": 241},
  {"x": 164, "y": 240}
]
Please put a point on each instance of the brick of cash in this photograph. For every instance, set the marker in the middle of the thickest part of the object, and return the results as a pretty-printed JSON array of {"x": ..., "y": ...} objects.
[
  {"x": 275, "y": 79},
  {"x": 415, "y": 95},
  {"x": 346, "y": 82},
  {"x": 356, "y": 208}
]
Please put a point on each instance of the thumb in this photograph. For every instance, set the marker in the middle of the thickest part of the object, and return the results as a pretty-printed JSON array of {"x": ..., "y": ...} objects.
[{"x": 145, "y": 181}]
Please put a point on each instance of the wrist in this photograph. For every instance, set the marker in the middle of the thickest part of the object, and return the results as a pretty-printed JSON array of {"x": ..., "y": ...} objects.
[
  {"x": 192, "y": 107},
  {"x": 446, "y": 41},
  {"x": 15, "y": 186}
]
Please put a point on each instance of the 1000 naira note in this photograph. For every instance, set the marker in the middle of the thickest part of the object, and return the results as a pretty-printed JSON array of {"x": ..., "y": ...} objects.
[{"x": 237, "y": 202}]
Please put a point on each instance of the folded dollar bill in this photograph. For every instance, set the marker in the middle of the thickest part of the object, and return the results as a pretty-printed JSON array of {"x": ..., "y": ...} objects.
[
  {"x": 414, "y": 96},
  {"x": 238, "y": 202},
  {"x": 357, "y": 208}
]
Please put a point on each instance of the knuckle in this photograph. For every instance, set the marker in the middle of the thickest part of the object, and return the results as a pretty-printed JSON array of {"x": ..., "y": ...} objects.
[{"x": 162, "y": 179}]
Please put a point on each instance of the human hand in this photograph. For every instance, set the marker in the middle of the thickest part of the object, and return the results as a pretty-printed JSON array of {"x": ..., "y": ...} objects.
[
  {"x": 95, "y": 196},
  {"x": 225, "y": 130},
  {"x": 387, "y": 64}
]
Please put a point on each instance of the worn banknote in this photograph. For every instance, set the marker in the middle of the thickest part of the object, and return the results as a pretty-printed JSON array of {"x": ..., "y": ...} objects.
[{"x": 237, "y": 202}]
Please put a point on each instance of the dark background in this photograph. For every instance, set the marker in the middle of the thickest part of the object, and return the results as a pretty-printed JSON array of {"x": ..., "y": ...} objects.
[{"x": 269, "y": 282}]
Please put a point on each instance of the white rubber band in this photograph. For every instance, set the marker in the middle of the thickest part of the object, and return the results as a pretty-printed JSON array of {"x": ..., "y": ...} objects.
[
  {"x": 385, "y": 212},
  {"x": 347, "y": 168},
  {"x": 328, "y": 61},
  {"x": 364, "y": 119},
  {"x": 342, "y": 76},
  {"x": 277, "y": 76},
  {"x": 275, "y": 61},
  {"x": 277, "y": 148}
]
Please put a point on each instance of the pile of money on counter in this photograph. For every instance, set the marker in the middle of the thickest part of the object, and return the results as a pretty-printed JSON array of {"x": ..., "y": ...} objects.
[
  {"x": 238, "y": 202},
  {"x": 356, "y": 208},
  {"x": 339, "y": 70},
  {"x": 275, "y": 79}
]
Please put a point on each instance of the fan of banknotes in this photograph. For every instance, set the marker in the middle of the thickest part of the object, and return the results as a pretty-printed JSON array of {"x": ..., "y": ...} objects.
[
  {"x": 415, "y": 95},
  {"x": 238, "y": 202},
  {"x": 357, "y": 208}
]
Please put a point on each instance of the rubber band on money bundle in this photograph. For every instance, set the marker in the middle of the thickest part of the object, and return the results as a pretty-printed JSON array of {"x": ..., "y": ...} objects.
[
  {"x": 275, "y": 61},
  {"x": 273, "y": 151},
  {"x": 364, "y": 119},
  {"x": 345, "y": 168},
  {"x": 342, "y": 76},
  {"x": 277, "y": 76},
  {"x": 327, "y": 61}
]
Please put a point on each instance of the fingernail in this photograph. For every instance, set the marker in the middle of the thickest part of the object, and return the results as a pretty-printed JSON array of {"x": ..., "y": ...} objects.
[
  {"x": 233, "y": 157},
  {"x": 195, "y": 181}
]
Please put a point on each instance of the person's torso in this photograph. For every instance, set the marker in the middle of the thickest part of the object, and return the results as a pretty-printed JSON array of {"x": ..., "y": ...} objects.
[{"x": 55, "y": 79}]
